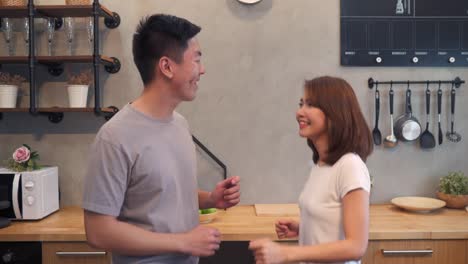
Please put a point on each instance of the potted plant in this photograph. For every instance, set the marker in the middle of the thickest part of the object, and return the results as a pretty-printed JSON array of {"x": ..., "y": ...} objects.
[
  {"x": 453, "y": 189},
  {"x": 24, "y": 159},
  {"x": 78, "y": 85},
  {"x": 9, "y": 89}
]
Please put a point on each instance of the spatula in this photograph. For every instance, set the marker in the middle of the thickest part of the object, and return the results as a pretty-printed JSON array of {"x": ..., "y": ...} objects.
[
  {"x": 427, "y": 140},
  {"x": 376, "y": 132},
  {"x": 439, "y": 109}
]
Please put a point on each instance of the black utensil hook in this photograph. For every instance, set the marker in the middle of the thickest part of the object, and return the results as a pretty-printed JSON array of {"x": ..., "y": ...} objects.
[
  {"x": 428, "y": 101},
  {"x": 408, "y": 109},
  {"x": 452, "y": 106},
  {"x": 377, "y": 104},
  {"x": 439, "y": 90},
  {"x": 391, "y": 93}
]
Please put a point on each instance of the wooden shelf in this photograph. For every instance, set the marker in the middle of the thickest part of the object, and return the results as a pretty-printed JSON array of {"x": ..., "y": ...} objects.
[
  {"x": 52, "y": 59},
  {"x": 13, "y": 11},
  {"x": 70, "y": 11},
  {"x": 54, "y": 11},
  {"x": 55, "y": 110},
  {"x": 111, "y": 64},
  {"x": 13, "y": 59},
  {"x": 63, "y": 59}
]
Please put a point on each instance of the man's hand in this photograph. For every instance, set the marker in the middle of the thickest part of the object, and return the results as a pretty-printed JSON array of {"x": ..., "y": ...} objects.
[
  {"x": 201, "y": 241},
  {"x": 226, "y": 193}
]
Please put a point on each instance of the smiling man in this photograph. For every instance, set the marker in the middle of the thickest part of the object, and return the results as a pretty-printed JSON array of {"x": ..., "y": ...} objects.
[{"x": 140, "y": 196}]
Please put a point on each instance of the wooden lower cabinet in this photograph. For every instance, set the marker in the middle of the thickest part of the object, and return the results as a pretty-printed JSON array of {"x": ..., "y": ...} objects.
[
  {"x": 369, "y": 256},
  {"x": 231, "y": 252},
  {"x": 73, "y": 252},
  {"x": 416, "y": 252},
  {"x": 378, "y": 252}
]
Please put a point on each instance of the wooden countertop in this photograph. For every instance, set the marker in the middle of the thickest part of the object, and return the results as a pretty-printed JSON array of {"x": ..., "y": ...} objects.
[
  {"x": 64, "y": 225},
  {"x": 391, "y": 222},
  {"x": 241, "y": 223}
]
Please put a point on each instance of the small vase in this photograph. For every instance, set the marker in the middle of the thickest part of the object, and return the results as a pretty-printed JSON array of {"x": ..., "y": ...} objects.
[
  {"x": 78, "y": 95},
  {"x": 453, "y": 201},
  {"x": 8, "y": 96}
]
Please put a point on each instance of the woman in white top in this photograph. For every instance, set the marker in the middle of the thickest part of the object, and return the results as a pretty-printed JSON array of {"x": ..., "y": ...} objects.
[{"x": 334, "y": 203}]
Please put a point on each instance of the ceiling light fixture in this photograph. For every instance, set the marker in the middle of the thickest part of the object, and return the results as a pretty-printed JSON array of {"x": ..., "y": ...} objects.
[{"x": 249, "y": 2}]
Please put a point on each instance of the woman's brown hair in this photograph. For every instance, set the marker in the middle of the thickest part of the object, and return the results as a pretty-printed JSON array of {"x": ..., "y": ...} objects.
[{"x": 346, "y": 127}]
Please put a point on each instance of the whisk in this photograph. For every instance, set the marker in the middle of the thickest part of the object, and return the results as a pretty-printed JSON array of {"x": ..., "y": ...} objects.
[{"x": 452, "y": 135}]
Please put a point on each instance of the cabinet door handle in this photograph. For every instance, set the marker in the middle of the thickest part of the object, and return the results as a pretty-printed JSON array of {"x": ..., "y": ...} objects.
[
  {"x": 411, "y": 252},
  {"x": 80, "y": 254}
]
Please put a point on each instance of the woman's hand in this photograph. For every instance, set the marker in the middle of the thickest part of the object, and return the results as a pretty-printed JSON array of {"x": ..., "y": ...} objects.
[
  {"x": 268, "y": 252},
  {"x": 287, "y": 228}
]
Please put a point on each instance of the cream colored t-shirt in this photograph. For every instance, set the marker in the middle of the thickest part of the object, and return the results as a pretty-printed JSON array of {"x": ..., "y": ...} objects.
[{"x": 321, "y": 199}]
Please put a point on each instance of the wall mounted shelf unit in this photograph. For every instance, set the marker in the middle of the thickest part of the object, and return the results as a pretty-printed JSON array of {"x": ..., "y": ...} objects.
[{"x": 55, "y": 64}]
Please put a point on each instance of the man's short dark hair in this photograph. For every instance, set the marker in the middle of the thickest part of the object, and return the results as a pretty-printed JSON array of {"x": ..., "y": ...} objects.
[{"x": 157, "y": 36}]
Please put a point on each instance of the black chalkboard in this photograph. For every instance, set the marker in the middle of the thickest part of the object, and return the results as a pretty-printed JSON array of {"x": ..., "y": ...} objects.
[{"x": 404, "y": 33}]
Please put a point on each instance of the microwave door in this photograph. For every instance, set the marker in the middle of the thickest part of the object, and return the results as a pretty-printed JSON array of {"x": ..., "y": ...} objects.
[
  {"x": 16, "y": 196},
  {"x": 11, "y": 193}
]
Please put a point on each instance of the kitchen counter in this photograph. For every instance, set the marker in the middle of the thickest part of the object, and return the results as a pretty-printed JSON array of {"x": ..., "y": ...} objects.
[{"x": 241, "y": 223}]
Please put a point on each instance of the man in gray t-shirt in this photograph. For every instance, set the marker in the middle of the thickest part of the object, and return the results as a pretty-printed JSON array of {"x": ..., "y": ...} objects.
[{"x": 140, "y": 193}]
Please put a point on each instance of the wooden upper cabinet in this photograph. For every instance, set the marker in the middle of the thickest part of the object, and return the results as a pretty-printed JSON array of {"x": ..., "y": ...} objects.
[
  {"x": 417, "y": 252},
  {"x": 73, "y": 253}
]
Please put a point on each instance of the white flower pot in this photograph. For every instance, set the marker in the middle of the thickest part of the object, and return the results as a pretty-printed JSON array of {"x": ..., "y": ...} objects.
[
  {"x": 77, "y": 95},
  {"x": 8, "y": 96}
]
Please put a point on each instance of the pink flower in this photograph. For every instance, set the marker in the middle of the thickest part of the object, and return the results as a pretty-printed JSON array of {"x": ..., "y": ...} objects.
[{"x": 21, "y": 155}]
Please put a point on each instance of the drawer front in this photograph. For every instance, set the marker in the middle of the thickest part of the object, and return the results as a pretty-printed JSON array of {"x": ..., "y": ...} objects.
[
  {"x": 402, "y": 252},
  {"x": 417, "y": 252},
  {"x": 73, "y": 252},
  {"x": 368, "y": 257},
  {"x": 450, "y": 251}
]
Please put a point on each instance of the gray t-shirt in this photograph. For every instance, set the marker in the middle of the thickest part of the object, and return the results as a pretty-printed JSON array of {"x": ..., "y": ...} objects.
[{"x": 142, "y": 170}]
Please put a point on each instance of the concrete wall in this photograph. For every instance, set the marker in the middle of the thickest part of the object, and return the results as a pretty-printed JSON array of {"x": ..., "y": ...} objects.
[{"x": 257, "y": 58}]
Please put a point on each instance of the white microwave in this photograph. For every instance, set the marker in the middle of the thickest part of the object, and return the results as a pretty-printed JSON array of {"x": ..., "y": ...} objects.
[{"x": 31, "y": 195}]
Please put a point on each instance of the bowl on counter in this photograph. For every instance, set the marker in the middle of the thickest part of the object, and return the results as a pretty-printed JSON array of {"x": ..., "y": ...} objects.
[
  {"x": 207, "y": 215},
  {"x": 453, "y": 201},
  {"x": 418, "y": 204}
]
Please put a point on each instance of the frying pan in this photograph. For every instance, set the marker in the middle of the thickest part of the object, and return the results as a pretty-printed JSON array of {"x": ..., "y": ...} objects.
[{"x": 407, "y": 127}]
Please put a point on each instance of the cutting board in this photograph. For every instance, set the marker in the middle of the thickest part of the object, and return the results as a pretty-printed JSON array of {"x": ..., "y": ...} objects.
[{"x": 276, "y": 209}]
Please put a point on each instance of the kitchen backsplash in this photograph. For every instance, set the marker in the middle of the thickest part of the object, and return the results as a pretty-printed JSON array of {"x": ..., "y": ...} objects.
[{"x": 257, "y": 58}]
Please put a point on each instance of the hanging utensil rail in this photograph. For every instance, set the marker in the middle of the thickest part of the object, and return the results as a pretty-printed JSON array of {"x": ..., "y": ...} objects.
[{"x": 457, "y": 82}]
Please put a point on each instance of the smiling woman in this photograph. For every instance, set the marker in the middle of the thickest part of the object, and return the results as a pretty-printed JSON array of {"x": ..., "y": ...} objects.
[
  {"x": 334, "y": 202},
  {"x": 345, "y": 127}
]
